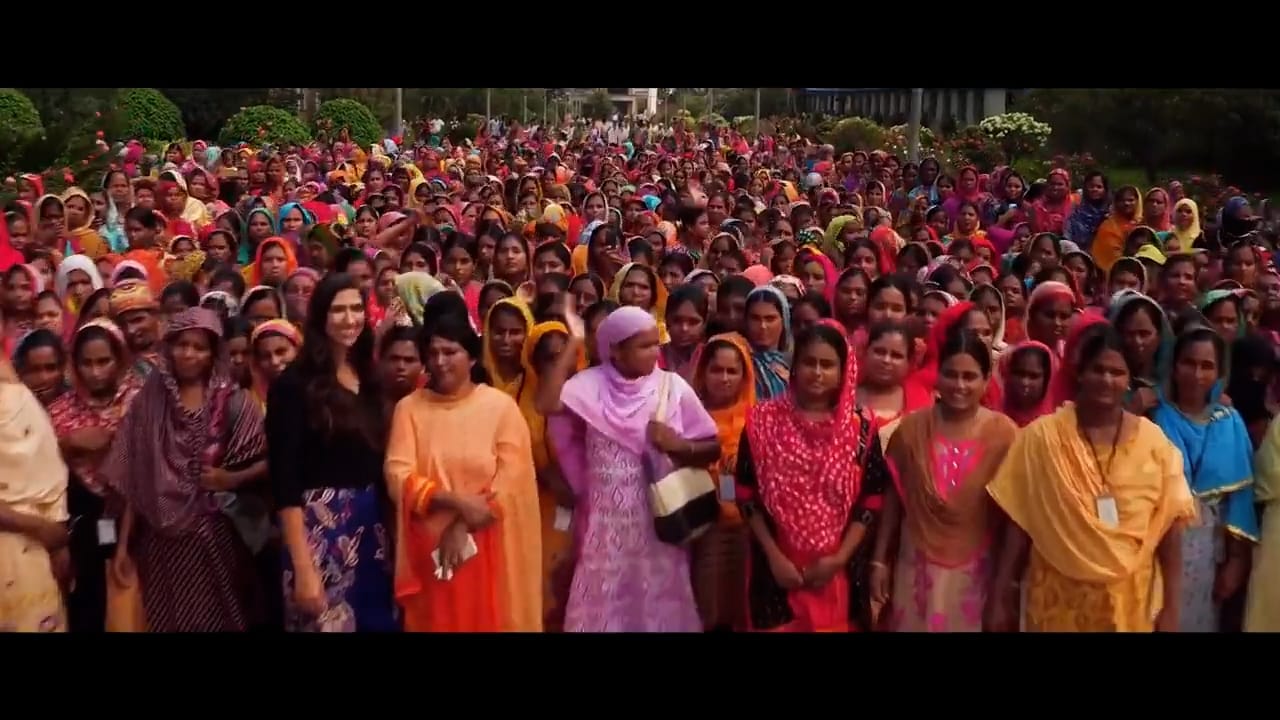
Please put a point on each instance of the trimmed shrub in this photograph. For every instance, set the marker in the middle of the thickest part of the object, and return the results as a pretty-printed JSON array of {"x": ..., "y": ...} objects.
[
  {"x": 855, "y": 133},
  {"x": 19, "y": 126},
  {"x": 262, "y": 124},
  {"x": 335, "y": 115},
  {"x": 147, "y": 113}
]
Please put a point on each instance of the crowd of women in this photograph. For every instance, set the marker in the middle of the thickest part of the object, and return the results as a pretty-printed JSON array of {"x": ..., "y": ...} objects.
[{"x": 439, "y": 388}]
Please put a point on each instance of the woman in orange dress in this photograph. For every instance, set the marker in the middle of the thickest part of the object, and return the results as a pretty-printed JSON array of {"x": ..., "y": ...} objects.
[
  {"x": 459, "y": 467},
  {"x": 725, "y": 382}
]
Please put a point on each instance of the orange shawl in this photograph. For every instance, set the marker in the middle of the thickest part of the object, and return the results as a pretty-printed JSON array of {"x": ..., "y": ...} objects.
[
  {"x": 730, "y": 421},
  {"x": 951, "y": 530}
]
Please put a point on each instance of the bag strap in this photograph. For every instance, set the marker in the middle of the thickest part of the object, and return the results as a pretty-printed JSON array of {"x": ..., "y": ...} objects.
[{"x": 664, "y": 386}]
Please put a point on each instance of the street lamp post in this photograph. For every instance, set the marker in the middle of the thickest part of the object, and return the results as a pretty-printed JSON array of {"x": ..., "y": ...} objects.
[
  {"x": 913, "y": 129},
  {"x": 757, "y": 111},
  {"x": 399, "y": 123}
]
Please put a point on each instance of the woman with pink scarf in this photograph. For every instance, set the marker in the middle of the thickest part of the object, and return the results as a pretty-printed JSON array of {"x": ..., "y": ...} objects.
[{"x": 625, "y": 578}]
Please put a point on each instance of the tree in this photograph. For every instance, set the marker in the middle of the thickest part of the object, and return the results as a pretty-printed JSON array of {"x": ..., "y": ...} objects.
[
  {"x": 205, "y": 110},
  {"x": 598, "y": 106}
]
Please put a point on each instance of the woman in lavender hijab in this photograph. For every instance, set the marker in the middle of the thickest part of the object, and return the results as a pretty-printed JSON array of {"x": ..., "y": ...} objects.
[{"x": 610, "y": 447}]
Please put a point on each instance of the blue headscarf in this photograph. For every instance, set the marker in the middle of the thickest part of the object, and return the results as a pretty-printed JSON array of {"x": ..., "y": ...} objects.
[
  {"x": 1217, "y": 459},
  {"x": 307, "y": 217},
  {"x": 1163, "y": 362},
  {"x": 245, "y": 254},
  {"x": 772, "y": 365}
]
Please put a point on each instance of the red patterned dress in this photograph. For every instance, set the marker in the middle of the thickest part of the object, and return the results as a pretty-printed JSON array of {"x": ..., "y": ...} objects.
[{"x": 810, "y": 481}]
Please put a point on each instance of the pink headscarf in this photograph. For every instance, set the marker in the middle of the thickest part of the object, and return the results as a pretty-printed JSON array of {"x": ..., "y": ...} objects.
[
  {"x": 9, "y": 256},
  {"x": 621, "y": 408},
  {"x": 758, "y": 274}
]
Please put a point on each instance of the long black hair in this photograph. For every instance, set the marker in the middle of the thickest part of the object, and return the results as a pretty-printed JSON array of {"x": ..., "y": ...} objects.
[{"x": 333, "y": 410}]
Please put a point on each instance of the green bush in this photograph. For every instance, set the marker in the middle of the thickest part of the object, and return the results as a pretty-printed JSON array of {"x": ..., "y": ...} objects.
[
  {"x": 855, "y": 133},
  {"x": 264, "y": 124},
  {"x": 146, "y": 113},
  {"x": 19, "y": 126},
  {"x": 334, "y": 115}
]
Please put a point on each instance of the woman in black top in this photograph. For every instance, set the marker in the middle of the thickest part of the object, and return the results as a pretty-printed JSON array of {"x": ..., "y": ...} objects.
[{"x": 326, "y": 436}]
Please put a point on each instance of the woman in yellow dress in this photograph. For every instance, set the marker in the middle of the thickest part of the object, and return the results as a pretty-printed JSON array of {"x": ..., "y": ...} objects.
[
  {"x": 1097, "y": 501},
  {"x": 1262, "y": 609},
  {"x": 33, "y": 508},
  {"x": 459, "y": 467}
]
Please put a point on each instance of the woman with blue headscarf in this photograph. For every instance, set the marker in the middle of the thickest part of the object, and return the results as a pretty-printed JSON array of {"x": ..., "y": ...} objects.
[
  {"x": 1148, "y": 343},
  {"x": 1236, "y": 221},
  {"x": 768, "y": 326},
  {"x": 1217, "y": 457},
  {"x": 293, "y": 218}
]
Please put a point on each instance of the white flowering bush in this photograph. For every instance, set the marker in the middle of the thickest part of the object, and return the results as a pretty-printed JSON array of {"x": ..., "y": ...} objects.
[{"x": 1018, "y": 134}]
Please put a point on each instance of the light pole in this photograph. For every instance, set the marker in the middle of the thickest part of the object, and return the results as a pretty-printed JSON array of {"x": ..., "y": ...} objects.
[
  {"x": 757, "y": 111},
  {"x": 488, "y": 106},
  {"x": 913, "y": 127},
  {"x": 399, "y": 123}
]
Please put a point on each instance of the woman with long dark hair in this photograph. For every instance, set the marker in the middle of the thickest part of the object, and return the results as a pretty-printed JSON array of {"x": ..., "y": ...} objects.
[{"x": 326, "y": 433}]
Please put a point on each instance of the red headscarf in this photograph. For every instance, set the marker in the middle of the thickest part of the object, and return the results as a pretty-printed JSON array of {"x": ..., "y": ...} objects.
[
  {"x": 809, "y": 473},
  {"x": 808, "y": 254},
  {"x": 9, "y": 255},
  {"x": 1024, "y": 416},
  {"x": 927, "y": 375},
  {"x": 1063, "y": 387}
]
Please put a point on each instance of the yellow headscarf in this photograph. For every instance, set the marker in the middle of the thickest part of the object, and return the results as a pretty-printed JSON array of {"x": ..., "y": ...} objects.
[
  {"x": 91, "y": 243},
  {"x": 542, "y": 452},
  {"x": 659, "y": 308},
  {"x": 510, "y": 386},
  {"x": 1188, "y": 236}
]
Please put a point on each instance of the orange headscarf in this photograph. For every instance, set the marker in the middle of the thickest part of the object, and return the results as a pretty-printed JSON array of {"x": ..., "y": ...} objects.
[
  {"x": 730, "y": 420},
  {"x": 253, "y": 272}
]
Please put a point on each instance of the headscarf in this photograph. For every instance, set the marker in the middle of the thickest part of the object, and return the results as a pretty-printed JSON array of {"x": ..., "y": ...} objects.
[
  {"x": 730, "y": 420},
  {"x": 161, "y": 448},
  {"x": 831, "y": 242},
  {"x": 308, "y": 218},
  {"x": 1063, "y": 387},
  {"x": 1193, "y": 231},
  {"x": 276, "y": 326},
  {"x": 621, "y": 408},
  {"x": 62, "y": 278},
  {"x": 1161, "y": 223},
  {"x": 536, "y": 421},
  {"x": 414, "y": 289},
  {"x": 659, "y": 300},
  {"x": 1024, "y": 416},
  {"x": 1087, "y": 216},
  {"x": 809, "y": 473},
  {"x": 759, "y": 275},
  {"x": 253, "y": 272},
  {"x": 77, "y": 410},
  {"x": 243, "y": 256},
  {"x": 9, "y": 255},
  {"x": 30, "y": 461},
  {"x": 772, "y": 366},
  {"x": 828, "y": 269},
  {"x": 88, "y": 240},
  {"x": 511, "y": 385},
  {"x": 131, "y": 295},
  {"x": 1162, "y": 363}
]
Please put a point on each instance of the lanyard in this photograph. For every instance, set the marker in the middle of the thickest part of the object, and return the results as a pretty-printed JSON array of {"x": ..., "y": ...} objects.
[{"x": 1111, "y": 458}]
